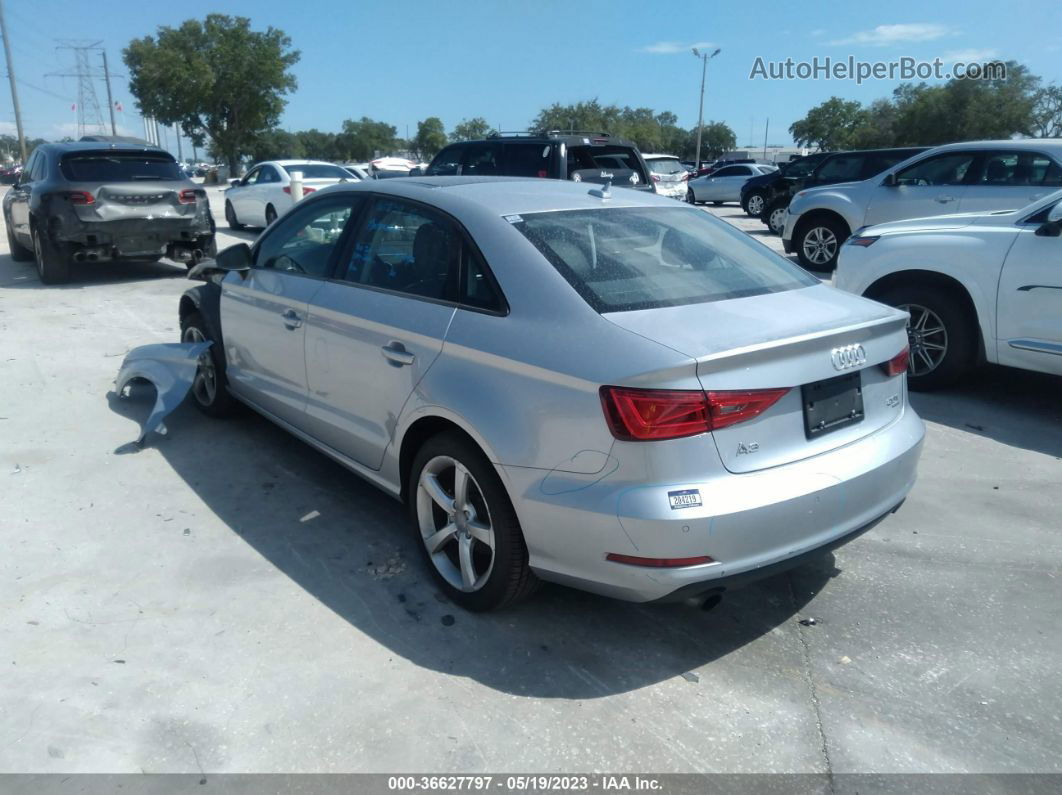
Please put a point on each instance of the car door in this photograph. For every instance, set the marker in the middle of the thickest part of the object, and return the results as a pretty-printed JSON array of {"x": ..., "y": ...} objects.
[
  {"x": 1009, "y": 180},
  {"x": 934, "y": 185},
  {"x": 729, "y": 185},
  {"x": 269, "y": 191},
  {"x": 711, "y": 188},
  {"x": 20, "y": 196},
  {"x": 240, "y": 196},
  {"x": 1029, "y": 301},
  {"x": 377, "y": 327},
  {"x": 263, "y": 312}
]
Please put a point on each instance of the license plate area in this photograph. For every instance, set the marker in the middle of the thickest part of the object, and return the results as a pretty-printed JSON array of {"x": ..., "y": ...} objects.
[{"x": 832, "y": 404}]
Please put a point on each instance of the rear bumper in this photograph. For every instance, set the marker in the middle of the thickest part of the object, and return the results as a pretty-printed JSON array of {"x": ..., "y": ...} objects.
[
  {"x": 787, "y": 233},
  {"x": 751, "y": 524},
  {"x": 134, "y": 237}
]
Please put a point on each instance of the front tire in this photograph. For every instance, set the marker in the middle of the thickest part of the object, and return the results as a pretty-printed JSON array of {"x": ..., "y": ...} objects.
[
  {"x": 270, "y": 214},
  {"x": 818, "y": 242},
  {"x": 230, "y": 217},
  {"x": 465, "y": 526},
  {"x": 940, "y": 333},
  {"x": 691, "y": 197},
  {"x": 774, "y": 215},
  {"x": 755, "y": 203},
  {"x": 209, "y": 390},
  {"x": 53, "y": 259},
  {"x": 717, "y": 204}
]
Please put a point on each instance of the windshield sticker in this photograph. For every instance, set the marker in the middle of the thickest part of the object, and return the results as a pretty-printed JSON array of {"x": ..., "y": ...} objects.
[{"x": 513, "y": 219}]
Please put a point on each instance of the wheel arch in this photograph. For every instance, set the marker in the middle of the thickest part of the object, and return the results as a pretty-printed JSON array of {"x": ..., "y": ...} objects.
[
  {"x": 425, "y": 427},
  {"x": 205, "y": 299},
  {"x": 940, "y": 281},
  {"x": 818, "y": 216}
]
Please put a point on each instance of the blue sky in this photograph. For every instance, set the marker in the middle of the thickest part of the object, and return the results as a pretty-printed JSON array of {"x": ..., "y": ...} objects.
[{"x": 403, "y": 60}]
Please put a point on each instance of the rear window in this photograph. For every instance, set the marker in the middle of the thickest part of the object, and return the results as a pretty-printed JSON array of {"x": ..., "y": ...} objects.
[
  {"x": 119, "y": 167},
  {"x": 620, "y": 160},
  {"x": 664, "y": 166},
  {"x": 626, "y": 258},
  {"x": 319, "y": 171}
]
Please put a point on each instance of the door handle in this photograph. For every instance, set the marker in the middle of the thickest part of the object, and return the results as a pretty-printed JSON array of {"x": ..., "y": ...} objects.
[
  {"x": 396, "y": 353},
  {"x": 945, "y": 199},
  {"x": 291, "y": 319}
]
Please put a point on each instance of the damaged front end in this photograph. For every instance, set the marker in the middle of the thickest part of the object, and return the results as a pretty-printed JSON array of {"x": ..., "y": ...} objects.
[
  {"x": 132, "y": 221},
  {"x": 172, "y": 368}
]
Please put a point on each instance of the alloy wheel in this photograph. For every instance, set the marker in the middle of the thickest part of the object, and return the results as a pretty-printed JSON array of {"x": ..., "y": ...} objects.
[
  {"x": 455, "y": 523},
  {"x": 820, "y": 245},
  {"x": 205, "y": 384},
  {"x": 776, "y": 220},
  {"x": 755, "y": 204},
  {"x": 927, "y": 338}
]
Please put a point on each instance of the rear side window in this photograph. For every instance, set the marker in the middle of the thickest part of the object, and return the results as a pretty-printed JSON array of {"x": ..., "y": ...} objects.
[
  {"x": 626, "y": 258},
  {"x": 115, "y": 166},
  {"x": 527, "y": 160},
  {"x": 842, "y": 168},
  {"x": 481, "y": 159},
  {"x": 1018, "y": 169}
]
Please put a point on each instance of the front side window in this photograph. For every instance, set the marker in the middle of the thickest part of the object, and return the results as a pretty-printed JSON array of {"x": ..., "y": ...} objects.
[
  {"x": 446, "y": 163},
  {"x": 731, "y": 171},
  {"x": 407, "y": 248},
  {"x": 118, "y": 166},
  {"x": 480, "y": 159},
  {"x": 622, "y": 259},
  {"x": 267, "y": 174},
  {"x": 946, "y": 169},
  {"x": 842, "y": 168},
  {"x": 305, "y": 239}
]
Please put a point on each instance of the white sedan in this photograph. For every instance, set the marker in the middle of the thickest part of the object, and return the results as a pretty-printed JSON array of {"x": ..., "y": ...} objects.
[
  {"x": 725, "y": 184},
  {"x": 977, "y": 286},
  {"x": 264, "y": 194}
]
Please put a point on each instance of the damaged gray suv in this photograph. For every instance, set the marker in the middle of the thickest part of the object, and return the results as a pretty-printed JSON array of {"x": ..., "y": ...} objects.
[{"x": 89, "y": 202}]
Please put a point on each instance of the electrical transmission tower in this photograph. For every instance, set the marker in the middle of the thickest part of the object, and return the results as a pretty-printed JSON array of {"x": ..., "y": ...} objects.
[{"x": 89, "y": 116}]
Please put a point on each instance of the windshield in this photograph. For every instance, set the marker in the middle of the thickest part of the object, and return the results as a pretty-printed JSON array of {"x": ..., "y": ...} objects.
[
  {"x": 318, "y": 171},
  {"x": 119, "y": 167},
  {"x": 665, "y": 166},
  {"x": 621, "y": 259}
]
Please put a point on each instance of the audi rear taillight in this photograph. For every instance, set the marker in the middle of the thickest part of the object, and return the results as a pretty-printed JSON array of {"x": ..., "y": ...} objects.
[
  {"x": 80, "y": 197},
  {"x": 187, "y": 196},
  {"x": 642, "y": 415},
  {"x": 898, "y": 363}
]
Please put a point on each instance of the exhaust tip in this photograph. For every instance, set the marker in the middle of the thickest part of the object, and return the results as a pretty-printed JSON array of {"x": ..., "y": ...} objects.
[
  {"x": 711, "y": 602},
  {"x": 93, "y": 257},
  {"x": 79, "y": 256}
]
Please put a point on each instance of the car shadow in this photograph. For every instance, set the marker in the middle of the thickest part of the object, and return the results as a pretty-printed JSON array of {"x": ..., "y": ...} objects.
[
  {"x": 23, "y": 275},
  {"x": 1014, "y": 407},
  {"x": 350, "y": 547}
]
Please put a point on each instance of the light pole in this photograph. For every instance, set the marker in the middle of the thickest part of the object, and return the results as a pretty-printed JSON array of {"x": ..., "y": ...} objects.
[{"x": 705, "y": 58}]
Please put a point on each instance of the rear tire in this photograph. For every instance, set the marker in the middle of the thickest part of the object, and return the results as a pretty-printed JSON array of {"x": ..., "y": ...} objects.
[
  {"x": 818, "y": 242},
  {"x": 210, "y": 389},
  {"x": 53, "y": 259},
  {"x": 940, "y": 332},
  {"x": 270, "y": 214},
  {"x": 230, "y": 217},
  {"x": 717, "y": 204},
  {"x": 754, "y": 204},
  {"x": 480, "y": 558},
  {"x": 19, "y": 253}
]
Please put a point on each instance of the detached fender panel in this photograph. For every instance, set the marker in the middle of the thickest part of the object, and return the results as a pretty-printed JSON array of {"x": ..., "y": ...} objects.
[
  {"x": 205, "y": 299},
  {"x": 170, "y": 367}
]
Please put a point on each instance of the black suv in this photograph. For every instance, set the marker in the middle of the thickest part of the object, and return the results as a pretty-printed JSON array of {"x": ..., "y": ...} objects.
[
  {"x": 95, "y": 201},
  {"x": 853, "y": 166},
  {"x": 759, "y": 190},
  {"x": 582, "y": 157}
]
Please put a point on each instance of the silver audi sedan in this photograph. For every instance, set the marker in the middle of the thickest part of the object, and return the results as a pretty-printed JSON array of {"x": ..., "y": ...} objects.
[{"x": 563, "y": 382}]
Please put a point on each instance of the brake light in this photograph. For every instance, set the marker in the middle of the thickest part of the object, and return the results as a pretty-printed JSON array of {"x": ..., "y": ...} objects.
[
  {"x": 898, "y": 363},
  {"x": 80, "y": 197},
  {"x": 187, "y": 196},
  {"x": 656, "y": 177},
  {"x": 658, "y": 563},
  {"x": 305, "y": 190},
  {"x": 542, "y": 172},
  {"x": 639, "y": 415}
]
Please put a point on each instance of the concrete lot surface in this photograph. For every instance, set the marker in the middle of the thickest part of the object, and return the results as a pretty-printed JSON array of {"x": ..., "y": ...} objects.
[{"x": 227, "y": 599}]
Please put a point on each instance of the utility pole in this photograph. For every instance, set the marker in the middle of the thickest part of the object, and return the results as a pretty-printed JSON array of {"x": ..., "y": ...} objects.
[
  {"x": 765, "y": 129},
  {"x": 705, "y": 57},
  {"x": 14, "y": 91},
  {"x": 177, "y": 132},
  {"x": 110, "y": 99}
]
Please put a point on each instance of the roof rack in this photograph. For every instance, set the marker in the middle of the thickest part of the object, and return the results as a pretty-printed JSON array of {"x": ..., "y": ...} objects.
[
  {"x": 522, "y": 133},
  {"x": 596, "y": 133}
]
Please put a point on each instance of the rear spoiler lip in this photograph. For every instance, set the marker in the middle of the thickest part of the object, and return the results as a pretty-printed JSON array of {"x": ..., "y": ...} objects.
[{"x": 893, "y": 322}]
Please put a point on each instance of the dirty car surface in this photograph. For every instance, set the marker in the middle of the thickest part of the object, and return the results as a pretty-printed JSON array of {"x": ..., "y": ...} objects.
[
  {"x": 80, "y": 203},
  {"x": 600, "y": 388}
]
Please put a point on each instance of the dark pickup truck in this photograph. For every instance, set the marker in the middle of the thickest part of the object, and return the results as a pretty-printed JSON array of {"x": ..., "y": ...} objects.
[{"x": 91, "y": 202}]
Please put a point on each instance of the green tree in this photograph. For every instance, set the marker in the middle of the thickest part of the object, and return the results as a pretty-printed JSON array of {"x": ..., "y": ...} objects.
[
  {"x": 471, "y": 129},
  {"x": 366, "y": 139},
  {"x": 649, "y": 130},
  {"x": 716, "y": 138},
  {"x": 217, "y": 75},
  {"x": 828, "y": 126},
  {"x": 1047, "y": 112},
  {"x": 317, "y": 145},
  {"x": 430, "y": 138},
  {"x": 276, "y": 144}
]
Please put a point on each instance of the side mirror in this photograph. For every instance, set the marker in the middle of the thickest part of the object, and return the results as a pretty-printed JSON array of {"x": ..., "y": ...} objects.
[
  {"x": 891, "y": 180},
  {"x": 1052, "y": 227},
  {"x": 235, "y": 182},
  {"x": 416, "y": 172},
  {"x": 235, "y": 258}
]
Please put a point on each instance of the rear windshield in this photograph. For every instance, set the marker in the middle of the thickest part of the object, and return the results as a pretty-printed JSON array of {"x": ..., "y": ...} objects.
[
  {"x": 119, "y": 167},
  {"x": 615, "y": 158},
  {"x": 625, "y": 258},
  {"x": 320, "y": 171},
  {"x": 665, "y": 166}
]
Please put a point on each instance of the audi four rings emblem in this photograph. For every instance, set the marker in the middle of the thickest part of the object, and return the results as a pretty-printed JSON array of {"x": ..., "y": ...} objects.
[{"x": 848, "y": 356}]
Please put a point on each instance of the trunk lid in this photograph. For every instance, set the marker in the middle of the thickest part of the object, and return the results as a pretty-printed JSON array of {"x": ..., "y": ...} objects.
[
  {"x": 131, "y": 200},
  {"x": 787, "y": 340}
]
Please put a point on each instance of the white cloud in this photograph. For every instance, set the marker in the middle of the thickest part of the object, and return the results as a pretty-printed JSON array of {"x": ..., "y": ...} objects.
[
  {"x": 818, "y": 32},
  {"x": 970, "y": 55},
  {"x": 673, "y": 47},
  {"x": 886, "y": 35}
]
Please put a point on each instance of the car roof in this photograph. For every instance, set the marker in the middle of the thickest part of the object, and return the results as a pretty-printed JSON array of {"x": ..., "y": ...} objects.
[
  {"x": 649, "y": 156},
  {"x": 505, "y": 196},
  {"x": 1010, "y": 143},
  {"x": 286, "y": 163},
  {"x": 101, "y": 146}
]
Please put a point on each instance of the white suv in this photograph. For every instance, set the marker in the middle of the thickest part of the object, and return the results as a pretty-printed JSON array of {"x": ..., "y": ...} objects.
[
  {"x": 668, "y": 174},
  {"x": 975, "y": 176}
]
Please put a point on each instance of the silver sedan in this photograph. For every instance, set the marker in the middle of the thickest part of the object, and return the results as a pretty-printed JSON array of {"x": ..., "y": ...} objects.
[
  {"x": 725, "y": 184},
  {"x": 597, "y": 388}
]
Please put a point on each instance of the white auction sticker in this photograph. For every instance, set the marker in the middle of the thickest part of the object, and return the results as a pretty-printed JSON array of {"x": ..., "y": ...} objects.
[{"x": 687, "y": 498}]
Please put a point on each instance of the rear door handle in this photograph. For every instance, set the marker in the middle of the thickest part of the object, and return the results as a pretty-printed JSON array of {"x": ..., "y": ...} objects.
[
  {"x": 396, "y": 353},
  {"x": 945, "y": 199},
  {"x": 291, "y": 319}
]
